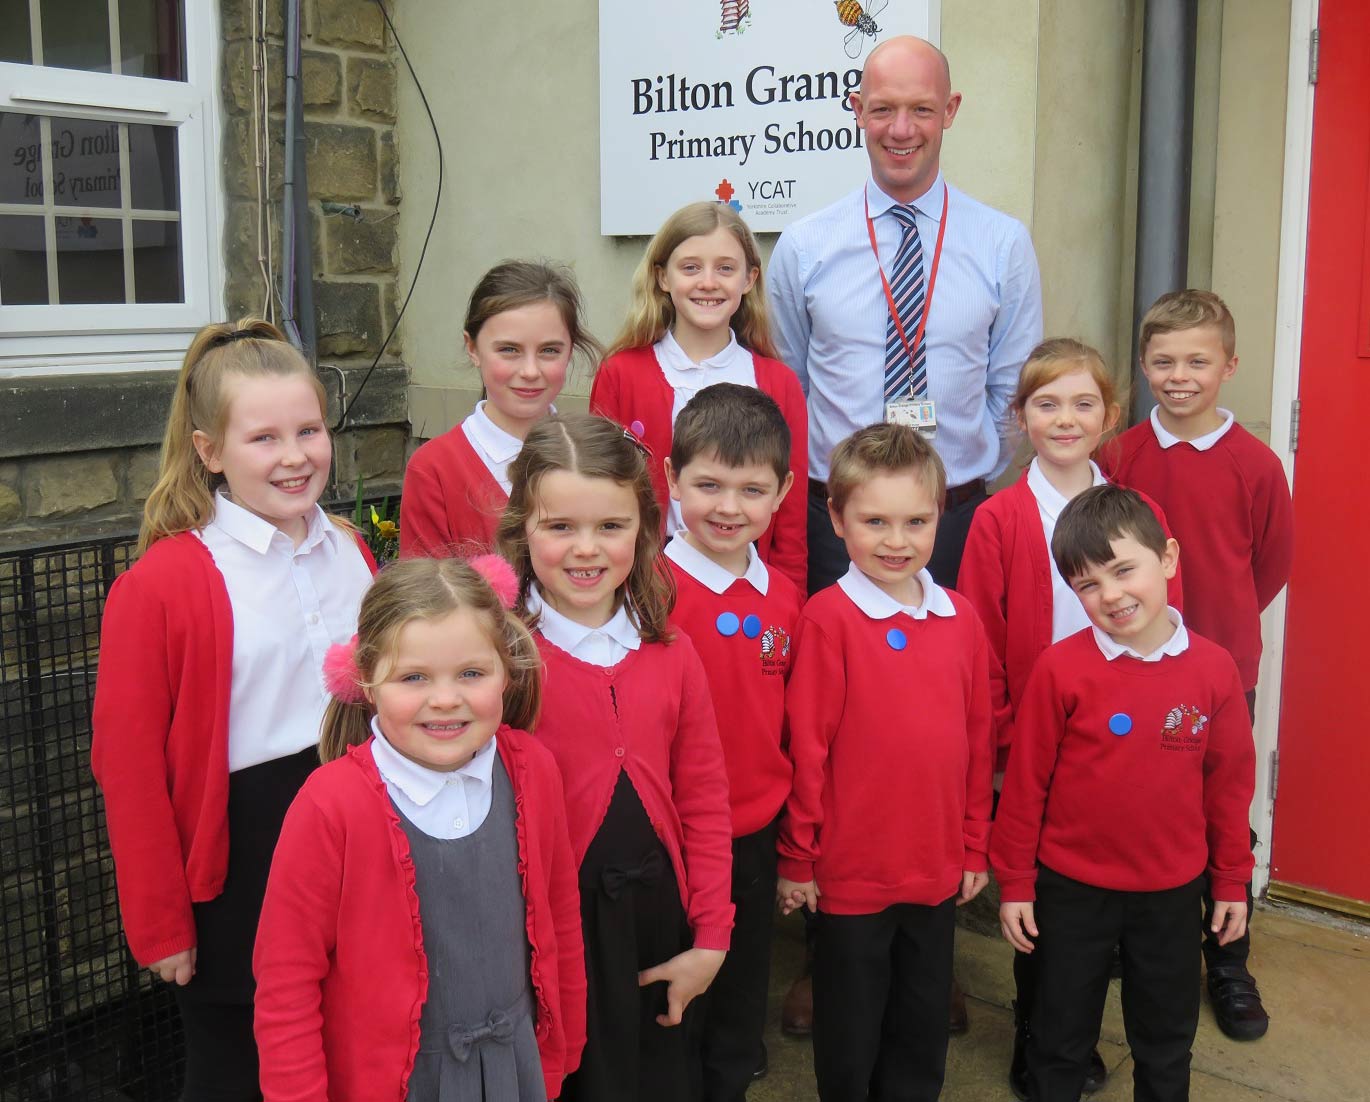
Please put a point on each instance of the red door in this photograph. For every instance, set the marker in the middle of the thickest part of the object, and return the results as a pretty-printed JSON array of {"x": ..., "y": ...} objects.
[{"x": 1321, "y": 836}]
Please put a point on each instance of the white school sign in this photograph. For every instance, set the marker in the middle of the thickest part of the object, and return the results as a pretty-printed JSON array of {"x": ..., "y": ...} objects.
[{"x": 742, "y": 101}]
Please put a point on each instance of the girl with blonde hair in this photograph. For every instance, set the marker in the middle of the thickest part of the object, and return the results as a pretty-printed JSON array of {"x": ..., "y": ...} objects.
[
  {"x": 208, "y": 697},
  {"x": 421, "y": 931},
  {"x": 698, "y": 316}
]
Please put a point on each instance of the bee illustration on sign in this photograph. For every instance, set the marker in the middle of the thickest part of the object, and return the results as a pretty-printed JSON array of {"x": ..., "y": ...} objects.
[
  {"x": 736, "y": 17},
  {"x": 861, "y": 21}
]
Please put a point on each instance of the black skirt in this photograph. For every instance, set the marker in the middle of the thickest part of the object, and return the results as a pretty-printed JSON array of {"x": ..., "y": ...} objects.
[
  {"x": 632, "y": 919},
  {"x": 226, "y": 926}
]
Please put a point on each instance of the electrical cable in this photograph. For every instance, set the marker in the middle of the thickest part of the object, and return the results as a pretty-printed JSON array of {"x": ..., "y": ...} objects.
[{"x": 418, "y": 268}]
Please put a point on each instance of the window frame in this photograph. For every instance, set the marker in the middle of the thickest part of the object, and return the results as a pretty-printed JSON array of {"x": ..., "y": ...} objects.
[{"x": 88, "y": 338}]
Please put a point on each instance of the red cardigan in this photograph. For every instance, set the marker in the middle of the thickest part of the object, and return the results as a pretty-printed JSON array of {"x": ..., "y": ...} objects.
[
  {"x": 451, "y": 502},
  {"x": 650, "y": 715},
  {"x": 1141, "y": 811},
  {"x": 747, "y": 675},
  {"x": 1234, "y": 519},
  {"x": 341, "y": 972},
  {"x": 630, "y": 386},
  {"x": 159, "y": 748},
  {"x": 893, "y": 755},
  {"x": 1006, "y": 575}
]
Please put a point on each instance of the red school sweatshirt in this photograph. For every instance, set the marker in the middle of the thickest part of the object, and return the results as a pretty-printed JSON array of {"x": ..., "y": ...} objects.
[
  {"x": 159, "y": 743},
  {"x": 1231, "y": 511},
  {"x": 1006, "y": 575},
  {"x": 747, "y": 670},
  {"x": 631, "y": 387},
  {"x": 451, "y": 502},
  {"x": 341, "y": 971},
  {"x": 649, "y": 715},
  {"x": 893, "y": 755},
  {"x": 1128, "y": 775}
]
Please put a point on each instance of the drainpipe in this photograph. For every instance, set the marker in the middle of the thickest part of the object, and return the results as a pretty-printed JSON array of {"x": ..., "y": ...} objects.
[
  {"x": 297, "y": 276},
  {"x": 1164, "y": 160}
]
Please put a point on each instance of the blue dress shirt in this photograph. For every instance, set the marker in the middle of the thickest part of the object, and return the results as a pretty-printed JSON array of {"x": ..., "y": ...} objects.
[{"x": 829, "y": 313}]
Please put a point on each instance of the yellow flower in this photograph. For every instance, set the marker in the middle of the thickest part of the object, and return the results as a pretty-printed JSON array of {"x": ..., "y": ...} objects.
[
  {"x": 375, "y": 518},
  {"x": 388, "y": 529}
]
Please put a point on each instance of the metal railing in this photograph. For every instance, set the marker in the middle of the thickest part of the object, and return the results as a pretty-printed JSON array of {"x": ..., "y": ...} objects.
[{"x": 79, "y": 1020}]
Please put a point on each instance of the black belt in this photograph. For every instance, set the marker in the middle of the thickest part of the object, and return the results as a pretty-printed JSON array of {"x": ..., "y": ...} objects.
[{"x": 956, "y": 495}]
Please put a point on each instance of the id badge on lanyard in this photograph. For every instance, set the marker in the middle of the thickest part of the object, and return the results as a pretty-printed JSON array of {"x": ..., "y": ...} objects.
[{"x": 916, "y": 412}]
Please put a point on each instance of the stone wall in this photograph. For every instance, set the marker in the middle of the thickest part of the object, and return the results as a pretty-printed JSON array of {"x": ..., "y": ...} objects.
[{"x": 79, "y": 454}]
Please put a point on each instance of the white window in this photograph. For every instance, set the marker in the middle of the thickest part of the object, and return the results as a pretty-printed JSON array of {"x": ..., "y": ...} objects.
[{"x": 110, "y": 216}]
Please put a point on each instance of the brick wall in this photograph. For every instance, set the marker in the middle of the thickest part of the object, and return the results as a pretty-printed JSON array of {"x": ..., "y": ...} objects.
[{"x": 78, "y": 455}]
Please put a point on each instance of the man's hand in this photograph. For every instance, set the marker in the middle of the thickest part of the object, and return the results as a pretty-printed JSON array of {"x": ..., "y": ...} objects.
[
  {"x": 687, "y": 975},
  {"x": 791, "y": 895},
  {"x": 1019, "y": 925},
  {"x": 177, "y": 968},
  {"x": 1229, "y": 920}
]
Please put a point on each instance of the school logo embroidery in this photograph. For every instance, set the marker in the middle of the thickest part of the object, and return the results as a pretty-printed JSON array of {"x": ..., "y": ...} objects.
[
  {"x": 725, "y": 193},
  {"x": 1184, "y": 729},
  {"x": 775, "y": 650}
]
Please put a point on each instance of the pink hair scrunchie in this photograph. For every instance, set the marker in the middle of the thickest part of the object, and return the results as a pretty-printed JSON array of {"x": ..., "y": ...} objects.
[
  {"x": 497, "y": 571},
  {"x": 340, "y": 674}
]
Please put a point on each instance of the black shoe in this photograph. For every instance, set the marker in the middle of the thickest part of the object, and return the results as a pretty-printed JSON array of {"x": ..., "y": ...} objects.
[
  {"x": 1017, "y": 1069},
  {"x": 1098, "y": 1073},
  {"x": 1237, "y": 1003},
  {"x": 764, "y": 1067}
]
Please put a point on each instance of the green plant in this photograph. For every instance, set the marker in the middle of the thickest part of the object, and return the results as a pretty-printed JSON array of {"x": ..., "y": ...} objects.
[{"x": 379, "y": 527}]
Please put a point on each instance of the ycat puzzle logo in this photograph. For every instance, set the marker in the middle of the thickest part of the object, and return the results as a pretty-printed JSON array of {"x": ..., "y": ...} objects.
[{"x": 725, "y": 194}]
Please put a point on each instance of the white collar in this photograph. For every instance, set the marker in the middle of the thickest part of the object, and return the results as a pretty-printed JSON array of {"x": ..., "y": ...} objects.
[
  {"x": 565, "y": 633},
  {"x": 419, "y": 783},
  {"x": 669, "y": 354},
  {"x": 499, "y": 445},
  {"x": 256, "y": 534},
  {"x": 1177, "y": 644},
  {"x": 1168, "y": 439},
  {"x": 1051, "y": 500},
  {"x": 879, "y": 605},
  {"x": 712, "y": 576},
  {"x": 929, "y": 204}
]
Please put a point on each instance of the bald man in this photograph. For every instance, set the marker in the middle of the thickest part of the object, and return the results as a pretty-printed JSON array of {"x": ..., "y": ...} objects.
[{"x": 834, "y": 314}]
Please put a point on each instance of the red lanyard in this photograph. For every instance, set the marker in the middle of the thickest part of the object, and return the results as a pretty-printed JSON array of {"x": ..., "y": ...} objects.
[{"x": 932, "y": 277}]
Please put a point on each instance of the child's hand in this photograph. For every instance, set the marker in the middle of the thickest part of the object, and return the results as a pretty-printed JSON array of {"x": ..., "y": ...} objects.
[
  {"x": 177, "y": 968},
  {"x": 687, "y": 975},
  {"x": 791, "y": 895},
  {"x": 1229, "y": 915},
  {"x": 972, "y": 884},
  {"x": 1018, "y": 924}
]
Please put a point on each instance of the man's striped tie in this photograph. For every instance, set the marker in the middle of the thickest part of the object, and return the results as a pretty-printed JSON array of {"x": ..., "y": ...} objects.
[{"x": 907, "y": 287}]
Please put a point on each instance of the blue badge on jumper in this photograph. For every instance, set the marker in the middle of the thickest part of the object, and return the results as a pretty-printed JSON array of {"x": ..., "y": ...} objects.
[
  {"x": 896, "y": 639},
  {"x": 727, "y": 623},
  {"x": 751, "y": 627},
  {"x": 1120, "y": 723}
]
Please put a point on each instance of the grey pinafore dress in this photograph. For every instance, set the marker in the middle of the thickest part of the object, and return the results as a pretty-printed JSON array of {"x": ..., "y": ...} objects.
[{"x": 476, "y": 1038}]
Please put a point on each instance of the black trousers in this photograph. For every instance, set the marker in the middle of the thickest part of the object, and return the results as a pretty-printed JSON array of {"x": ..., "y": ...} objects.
[
  {"x": 1079, "y": 926},
  {"x": 734, "y": 1011},
  {"x": 881, "y": 998},
  {"x": 828, "y": 555}
]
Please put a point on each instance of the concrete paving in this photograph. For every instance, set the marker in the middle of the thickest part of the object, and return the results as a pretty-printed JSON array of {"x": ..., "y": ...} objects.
[{"x": 1314, "y": 978}]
